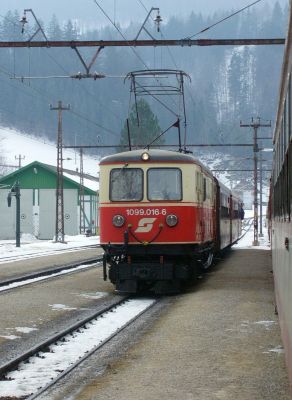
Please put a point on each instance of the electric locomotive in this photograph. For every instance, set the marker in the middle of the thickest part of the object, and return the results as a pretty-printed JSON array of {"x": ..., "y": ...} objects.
[{"x": 161, "y": 218}]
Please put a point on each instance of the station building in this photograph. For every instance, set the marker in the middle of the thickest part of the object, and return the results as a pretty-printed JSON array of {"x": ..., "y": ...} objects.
[{"x": 37, "y": 182}]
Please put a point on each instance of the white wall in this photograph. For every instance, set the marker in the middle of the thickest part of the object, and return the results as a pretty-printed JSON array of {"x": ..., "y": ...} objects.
[
  {"x": 38, "y": 219},
  {"x": 8, "y": 214},
  {"x": 47, "y": 213}
]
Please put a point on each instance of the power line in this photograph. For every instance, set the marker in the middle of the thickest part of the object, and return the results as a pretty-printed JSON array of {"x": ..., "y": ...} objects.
[
  {"x": 123, "y": 36},
  {"x": 86, "y": 91},
  {"x": 222, "y": 20},
  {"x": 82, "y": 87},
  {"x": 45, "y": 96},
  {"x": 63, "y": 69},
  {"x": 94, "y": 123},
  {"x": 171, "y": 56}
]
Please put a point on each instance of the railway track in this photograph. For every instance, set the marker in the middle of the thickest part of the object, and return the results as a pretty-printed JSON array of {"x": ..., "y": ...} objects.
[
  {"x": 248, "y": 224},
  {"x": 41, "y": 367},
  {"x": 43, "y": 253},
  {"x": 48, "y": 273}
]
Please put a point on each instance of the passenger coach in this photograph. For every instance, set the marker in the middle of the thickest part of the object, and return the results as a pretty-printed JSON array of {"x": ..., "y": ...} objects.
[
  {"x": 281, "y": 201},
  {"x": 163, "y": 215}
]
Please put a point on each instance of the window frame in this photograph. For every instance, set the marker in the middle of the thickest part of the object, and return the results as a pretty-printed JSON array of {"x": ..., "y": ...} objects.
[
  {"x": 165, "y": 168},
  {"x": 110, "y": 186}
]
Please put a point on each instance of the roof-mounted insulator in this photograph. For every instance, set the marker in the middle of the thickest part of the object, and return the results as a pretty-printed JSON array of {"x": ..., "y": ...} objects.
[
  {"x": 23, "y": 21},
  {"x": 157, "y": 21}
]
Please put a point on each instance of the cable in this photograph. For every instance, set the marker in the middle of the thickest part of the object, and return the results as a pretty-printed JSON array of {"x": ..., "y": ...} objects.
[
  {"x": 57, "y": 63},
  {"x": 171, "y": 57},
  {"x": 82, "y": 87},
  {"x": 85, "y": 90},
  {"x": 46, "y": 96},
  {"x": 131, "y": 47},
  {"x": 222, "y": 20},
  {"x": 94, "y": 123}
]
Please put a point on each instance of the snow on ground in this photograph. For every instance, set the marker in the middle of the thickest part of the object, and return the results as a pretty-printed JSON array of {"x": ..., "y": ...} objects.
[
  {"x": 14, "y": 143},
  {"x": 29, "y": 246},
  {"x": 33, "y": 247},
  {"x": 247, "y": 239},
  {"x": 46, "y": 366}
]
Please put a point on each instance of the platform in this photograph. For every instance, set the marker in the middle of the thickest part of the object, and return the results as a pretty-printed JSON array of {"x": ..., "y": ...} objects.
[{"x": 220, "y": 340}]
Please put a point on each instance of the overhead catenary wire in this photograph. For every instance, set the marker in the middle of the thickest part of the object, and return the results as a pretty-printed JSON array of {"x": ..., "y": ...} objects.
[
  {"x": 140, "y": 58},
  {"x": 123, "y": 36},
  {"x": 45, "y": 96},
  {"x": 85, "y": 90},
  {"x": 176, "y": 66},
  {"x": 100, "y": 104},
  {"x": 158, "y": 100},
  {"x": 222, "y": 20},
  {"x": 163, "y": 37}
]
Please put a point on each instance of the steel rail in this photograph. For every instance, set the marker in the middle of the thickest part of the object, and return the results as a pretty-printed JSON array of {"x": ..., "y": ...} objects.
[
  {"x": 48, "y": 272},
  {"x": 44, "y": 253},
  {"x": 89, "y": 354},
  {"x": 12, "y": 364}
]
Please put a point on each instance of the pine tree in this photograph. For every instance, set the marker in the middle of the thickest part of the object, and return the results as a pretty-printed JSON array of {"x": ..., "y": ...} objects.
[
  {"x": 148, "y": 128},
  {"x": 54, "y": 30},
  {"x": 70, "y": 31}
]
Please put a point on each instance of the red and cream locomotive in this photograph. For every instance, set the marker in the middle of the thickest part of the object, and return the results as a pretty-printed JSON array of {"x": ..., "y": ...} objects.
[{"x": 162, "y": 216}]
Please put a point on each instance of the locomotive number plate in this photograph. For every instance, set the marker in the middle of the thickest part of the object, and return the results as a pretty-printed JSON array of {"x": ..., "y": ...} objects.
[{"x": 146, "y": 211}]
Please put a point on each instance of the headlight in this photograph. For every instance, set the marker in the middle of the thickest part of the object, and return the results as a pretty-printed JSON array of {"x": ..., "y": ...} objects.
[
  {"x": 118, "y": 221},
  {"x": 171, "y": 220},
  {"x": 145, "y": 156}
]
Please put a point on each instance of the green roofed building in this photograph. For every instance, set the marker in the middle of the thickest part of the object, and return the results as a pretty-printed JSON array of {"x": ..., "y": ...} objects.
[{"x": 37, "y": 183}]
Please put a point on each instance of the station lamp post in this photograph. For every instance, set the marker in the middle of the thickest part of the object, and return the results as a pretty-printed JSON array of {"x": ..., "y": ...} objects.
[
  {"x": 15, "y": 191},
  {"x": 261, "y": 160}
]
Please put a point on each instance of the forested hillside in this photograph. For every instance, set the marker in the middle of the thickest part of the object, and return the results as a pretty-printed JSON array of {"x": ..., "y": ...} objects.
[{"x": 227, "y": 83}]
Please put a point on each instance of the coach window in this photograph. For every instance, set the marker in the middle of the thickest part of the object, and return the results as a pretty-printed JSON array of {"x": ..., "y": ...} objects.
[
  {"x": 285, "y": 129},
  {"x": 204, "y": 189},
  {"x": 126, "y": 184},
  {"x": 224, "y": 206},
  {"x": 289, "y": 109},
  {"x": 287, "y": 116},
  {"x": 164, "y": 184}
]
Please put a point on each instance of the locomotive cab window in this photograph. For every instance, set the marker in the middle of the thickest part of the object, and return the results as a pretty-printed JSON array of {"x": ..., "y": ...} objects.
[
  {"x": 126, "y": 184},
  {"x": 164, "y": 184}
]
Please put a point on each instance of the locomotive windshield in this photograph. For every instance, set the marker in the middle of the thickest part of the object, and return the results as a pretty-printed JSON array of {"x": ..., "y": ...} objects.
[
  {"x": 164, "y": 184},
  {"x": 126, "y": 184}
]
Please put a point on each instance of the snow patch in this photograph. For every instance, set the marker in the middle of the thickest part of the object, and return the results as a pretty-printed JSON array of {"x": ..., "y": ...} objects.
[
  {"x": 266, "y": 324},
  {"x": 94, "y": 296},
  {"x": 42, "y": 369},
  {"x": 24, "y": 329},
  {"x": 32, "y": 247},
  {"x": 10, "y": 337},
  {"x": 278, "y": 350},
  {"x": 57, "y": 307},
  {"x": 35, "y": 149}
]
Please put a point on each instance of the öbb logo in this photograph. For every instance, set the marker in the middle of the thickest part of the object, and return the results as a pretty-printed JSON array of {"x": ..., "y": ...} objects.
[{"x": 145, "y": 225}]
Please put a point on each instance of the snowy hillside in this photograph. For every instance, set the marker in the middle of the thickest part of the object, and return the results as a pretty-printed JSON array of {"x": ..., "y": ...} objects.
[{"x": 13, "y": 144}]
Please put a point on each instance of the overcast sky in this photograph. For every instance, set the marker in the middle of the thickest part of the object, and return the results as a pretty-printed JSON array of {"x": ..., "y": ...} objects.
[{"x": 122, "y": 11}]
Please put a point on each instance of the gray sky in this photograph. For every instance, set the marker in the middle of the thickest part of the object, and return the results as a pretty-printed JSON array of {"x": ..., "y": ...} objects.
[{"x": 123, "y": 11}]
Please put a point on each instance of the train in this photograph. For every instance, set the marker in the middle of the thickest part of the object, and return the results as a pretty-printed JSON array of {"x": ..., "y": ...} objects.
[
  {"x": 280, "y": 205},
  {"x": 163, "y": 217}
]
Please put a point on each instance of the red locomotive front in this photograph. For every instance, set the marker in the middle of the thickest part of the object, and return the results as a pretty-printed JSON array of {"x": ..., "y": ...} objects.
[{"x": 156, "y": 217}]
